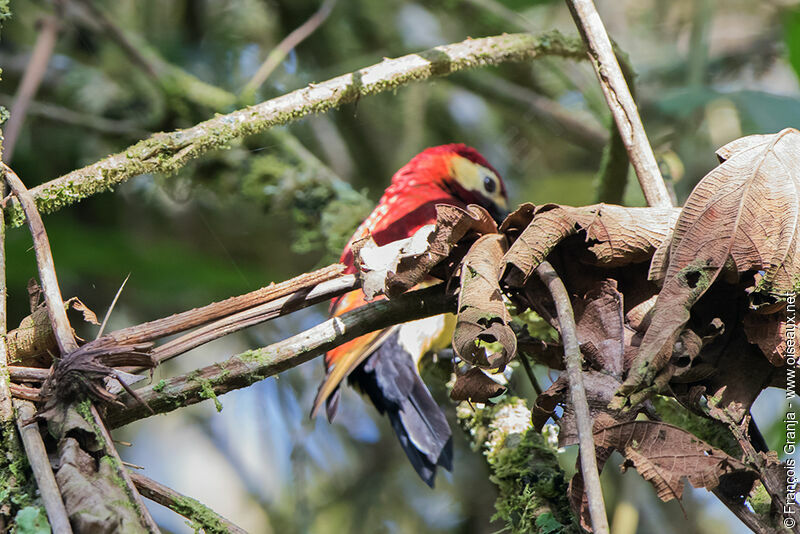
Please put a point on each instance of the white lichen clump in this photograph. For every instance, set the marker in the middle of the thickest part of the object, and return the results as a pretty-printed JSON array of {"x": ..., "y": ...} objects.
[{"x": 508, "y": 426}]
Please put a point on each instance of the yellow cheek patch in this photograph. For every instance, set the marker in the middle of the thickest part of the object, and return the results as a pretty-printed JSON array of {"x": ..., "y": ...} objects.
[{"x": 471, "y": 176}]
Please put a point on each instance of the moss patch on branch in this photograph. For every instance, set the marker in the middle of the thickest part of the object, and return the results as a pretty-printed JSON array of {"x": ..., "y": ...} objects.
[{"x": 202, "y": 518}]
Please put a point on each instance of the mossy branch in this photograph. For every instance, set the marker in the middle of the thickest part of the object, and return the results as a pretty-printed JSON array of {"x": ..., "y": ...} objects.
[
  {"x": 168, "y": 152},
  {"x": 252, "y": 366},
  {"x": 202, "y": 517}
]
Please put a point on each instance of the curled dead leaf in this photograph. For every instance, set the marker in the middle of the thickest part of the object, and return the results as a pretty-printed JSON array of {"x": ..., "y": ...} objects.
[
  {"x": 33, "y": 342},
  {"x": 475, "y": 386},
  {"x": 396, "y": 267},
  {"x": 742, "y": 217},
  {"x": 483, "y": 319},
  {"x": 615, "y": 235},
  {"x": 665, "y": 455}
]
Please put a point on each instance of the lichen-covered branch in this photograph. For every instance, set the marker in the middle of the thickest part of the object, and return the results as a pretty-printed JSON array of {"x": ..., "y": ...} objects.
[
  {"x": 252, "y": 366},
  {"x": 532, "y": 489},
  {"x": 201, "y": 517},
  {"x": 168, "y": 152}
]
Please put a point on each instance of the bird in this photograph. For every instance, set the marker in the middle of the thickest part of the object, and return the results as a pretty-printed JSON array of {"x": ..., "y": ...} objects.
[{"x": 383, "y": 365}]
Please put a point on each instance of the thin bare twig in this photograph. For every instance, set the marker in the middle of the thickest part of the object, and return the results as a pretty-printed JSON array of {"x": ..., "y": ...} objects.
[
  {"x": 252, "y": 366},
  {"x": 256, "y": 315},
  {"x": 40, "y": 465},
  {"x": 620, "y": 102},
  {"x": 584, "y": 132},
  {"x": 53, "y": 112},
  {"x": 111, "y": 306},
  {"x": 183, "y": 505},
  {"x": 183, "y": 321},
  {"x": 291, "y": 41},
  {"x": 574, "y": 364},
  {"x": 42, "y": 51}
]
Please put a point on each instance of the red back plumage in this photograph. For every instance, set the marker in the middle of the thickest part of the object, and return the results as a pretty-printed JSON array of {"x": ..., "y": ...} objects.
[{"x": 408, "y": 204}]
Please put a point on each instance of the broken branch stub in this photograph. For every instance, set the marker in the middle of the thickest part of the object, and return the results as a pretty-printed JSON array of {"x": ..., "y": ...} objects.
[
  {"x": 742, "y": 217},
  {"x": 396, "y": 267},
  {"x": 483, "y": 320},
  {"x": 81, "y": 373}
]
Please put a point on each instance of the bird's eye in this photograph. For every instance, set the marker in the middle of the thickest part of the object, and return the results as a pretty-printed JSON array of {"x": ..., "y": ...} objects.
[{"x": 489, "y": 184}]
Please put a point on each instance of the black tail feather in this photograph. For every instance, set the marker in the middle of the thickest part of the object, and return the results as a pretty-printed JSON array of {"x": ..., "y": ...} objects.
[{"x": 391, "y": 380}]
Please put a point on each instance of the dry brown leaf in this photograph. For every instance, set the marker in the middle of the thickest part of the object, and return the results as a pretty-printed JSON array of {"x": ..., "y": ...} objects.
[
  {"x": 395, "y": 268},
  {"x": 33, "y": 342},
  {"x": 743, "y": 216},
  {"x": 600, "y": 323},
  {"x": 475, "y": 386},
  {"x": 482, "y": 315},
  {"x": 769, "y": 333},
  {"x": 88, "y": 315},
  {"x": 665, "y": 455},
  {"x": 615, "y": 235}
]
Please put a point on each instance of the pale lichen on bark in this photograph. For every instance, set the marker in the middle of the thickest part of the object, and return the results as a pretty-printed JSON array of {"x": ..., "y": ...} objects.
[
  {"x": 532, "y": 489},
  {"x": 168, "y": 152}
]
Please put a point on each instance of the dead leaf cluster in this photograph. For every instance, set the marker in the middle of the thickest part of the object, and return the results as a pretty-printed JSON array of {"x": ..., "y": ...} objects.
[{"x": 688, "y": 303}]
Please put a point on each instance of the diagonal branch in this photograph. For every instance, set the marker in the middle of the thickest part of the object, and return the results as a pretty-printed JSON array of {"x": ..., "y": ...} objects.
[
  {"x": 169, "y": 152},
  {"x": 620, "y": 102},
  {"x": 34, "y": 72},
  {"x": 574, "y": 365},
  {"x": 44, "y": 259},
  {"x": 274, "y": 58},
  {"x": 252, "y": 366},
  {"x": 180, "y": 322},
  {"x": 193, "y": 510}
]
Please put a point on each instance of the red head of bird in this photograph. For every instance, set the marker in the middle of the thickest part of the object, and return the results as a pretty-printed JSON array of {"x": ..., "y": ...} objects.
[{"x": 452, "y": 174}]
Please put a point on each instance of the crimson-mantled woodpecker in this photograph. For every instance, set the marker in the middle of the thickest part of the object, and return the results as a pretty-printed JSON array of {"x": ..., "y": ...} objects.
[{"x": 383, "y": 364}]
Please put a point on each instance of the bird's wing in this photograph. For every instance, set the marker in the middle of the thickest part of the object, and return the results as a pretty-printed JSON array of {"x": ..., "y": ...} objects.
[
  {"x": 341, "y": 360},
  {"x": 347, "y": 357}
]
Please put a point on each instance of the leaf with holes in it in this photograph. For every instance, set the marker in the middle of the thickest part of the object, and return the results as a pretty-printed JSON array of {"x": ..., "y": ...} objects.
[
  {"x": 665, "y": 455},
  {"x": 483, "y": 321},
  {"x": 741, "y": 217}
]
